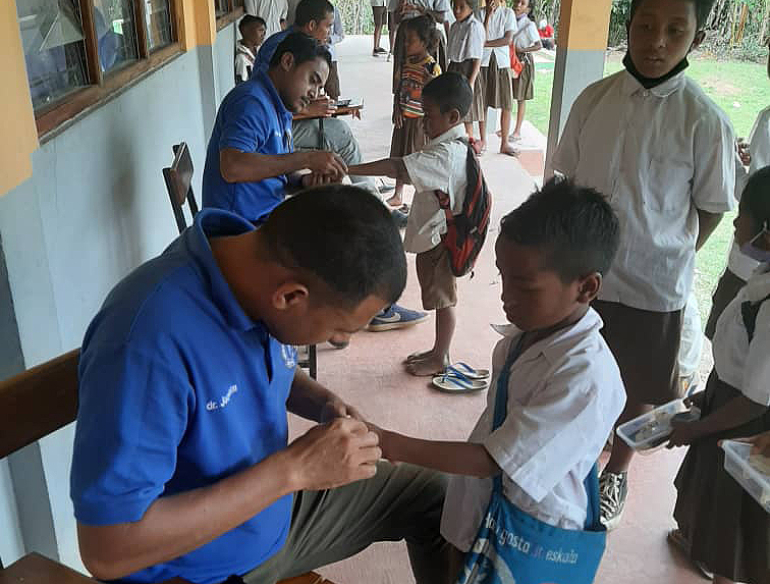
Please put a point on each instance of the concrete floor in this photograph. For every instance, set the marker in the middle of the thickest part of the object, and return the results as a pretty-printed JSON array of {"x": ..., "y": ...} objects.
[{"x": 369, "y": 373}]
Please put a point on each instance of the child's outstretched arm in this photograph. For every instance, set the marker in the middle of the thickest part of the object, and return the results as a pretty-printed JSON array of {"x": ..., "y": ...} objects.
[
  {"x": 461, "y": 458},
  {"x": 390, "y": 167}
]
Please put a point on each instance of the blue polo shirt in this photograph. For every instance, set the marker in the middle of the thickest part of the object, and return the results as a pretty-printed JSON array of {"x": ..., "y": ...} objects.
[
  {"x": 179, "y": 388},
  {"x": 267, "y": 50},
  {"x": 252, "y": 118}
]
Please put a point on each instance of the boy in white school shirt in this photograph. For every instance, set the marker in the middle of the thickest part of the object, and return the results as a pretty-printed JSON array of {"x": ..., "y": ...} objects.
[
  {"x": 664, "y": 154},
  {"x": 564, "y": 390}
]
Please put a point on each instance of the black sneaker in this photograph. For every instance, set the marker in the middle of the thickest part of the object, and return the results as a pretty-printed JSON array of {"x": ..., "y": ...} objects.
[{"x": 613, "y": 490}]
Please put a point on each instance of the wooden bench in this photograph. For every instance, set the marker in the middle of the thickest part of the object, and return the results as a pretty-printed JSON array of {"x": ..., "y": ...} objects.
[{"x": 36, "y": 403}]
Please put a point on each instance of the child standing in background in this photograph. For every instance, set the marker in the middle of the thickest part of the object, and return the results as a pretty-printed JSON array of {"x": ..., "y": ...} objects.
[
  {"x": 252, "y": 29},
  {"x": 721, "y": 527},
  {"x": 421, "y": 37},
  {"x": 464, "y": 51},
  {"x": 526, "y": 41},
  {"x": 500, "y": 24}
]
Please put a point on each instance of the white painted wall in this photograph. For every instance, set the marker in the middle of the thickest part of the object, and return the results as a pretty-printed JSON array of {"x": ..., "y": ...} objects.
[{"x": 95, "y": 208}]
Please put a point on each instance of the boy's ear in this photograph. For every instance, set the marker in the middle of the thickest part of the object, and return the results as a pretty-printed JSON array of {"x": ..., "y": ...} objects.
[
  {"x": 700, "y": 36},
  {"x": 287, "y": 61},
  {"x": 589, "y": 288},
  {"x": 290, "y": 295},
  {"x": 454, "y": 116}
]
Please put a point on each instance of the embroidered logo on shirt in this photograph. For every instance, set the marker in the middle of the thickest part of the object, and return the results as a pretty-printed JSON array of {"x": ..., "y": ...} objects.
[{"x": 223, "y": 401}]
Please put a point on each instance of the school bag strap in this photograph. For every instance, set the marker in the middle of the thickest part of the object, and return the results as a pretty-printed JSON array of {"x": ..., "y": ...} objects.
[
  {"x": 467, "y": 231},
  {"x": 750, "y": 312}
]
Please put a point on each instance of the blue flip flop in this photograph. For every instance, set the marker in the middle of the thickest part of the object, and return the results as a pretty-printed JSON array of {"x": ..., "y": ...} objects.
[
  {"x": 466, "y": 370},
  {"x": 456, "y": 382}
]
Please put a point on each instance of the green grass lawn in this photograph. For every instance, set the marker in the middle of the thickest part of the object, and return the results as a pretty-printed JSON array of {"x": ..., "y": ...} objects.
[{"x": 741, "y": 89}]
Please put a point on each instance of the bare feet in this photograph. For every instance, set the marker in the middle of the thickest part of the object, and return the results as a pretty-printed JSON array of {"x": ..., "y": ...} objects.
[
  {"x": 395, "y": 201},
  {"x": 482, "y": 145},
  {"x": 507, "y": 149},
  {"x": 515, "y": 137},
  {"x": 421, "y": 356},
  {"x": 427, "y": 367}
]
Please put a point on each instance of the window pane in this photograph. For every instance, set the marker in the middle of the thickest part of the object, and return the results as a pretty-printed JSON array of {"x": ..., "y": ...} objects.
[
  {"x": 116, "y": 32},
  {"x": 158, "y": 16},
  {"x": 54, "y": 52}
]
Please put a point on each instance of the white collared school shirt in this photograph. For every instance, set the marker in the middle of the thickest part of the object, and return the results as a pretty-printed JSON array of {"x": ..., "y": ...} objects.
[
  {"x": 744, "y": 365},
  {"x": 658, "y": 155},
  {"x": 502, "y": 21},
  {"x": 564, "y": 395},
  {"x": 466, "y": 40},
  {"x": 271, "y": 11},
  {"x": 441, "y": 165}
]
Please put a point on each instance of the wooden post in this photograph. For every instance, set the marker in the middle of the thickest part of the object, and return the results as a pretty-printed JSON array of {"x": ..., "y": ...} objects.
[{"x": 93, "y": 63}]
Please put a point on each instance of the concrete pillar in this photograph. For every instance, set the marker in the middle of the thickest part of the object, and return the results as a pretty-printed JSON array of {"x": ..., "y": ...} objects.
[{"x": 581, "y": 46}]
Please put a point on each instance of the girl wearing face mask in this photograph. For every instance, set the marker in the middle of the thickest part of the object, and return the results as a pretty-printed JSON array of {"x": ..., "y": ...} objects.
[{"x": 722, "y": 528}]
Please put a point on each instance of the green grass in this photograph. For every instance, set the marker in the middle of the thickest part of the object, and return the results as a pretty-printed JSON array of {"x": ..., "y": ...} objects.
[{"x": 741, "y": 89}]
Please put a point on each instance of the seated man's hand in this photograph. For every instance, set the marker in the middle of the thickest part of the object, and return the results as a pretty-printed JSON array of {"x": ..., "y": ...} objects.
[
  {"x": 326, "y": 163},
  {"x": 323, "y": 107},
  {"x": 334, "y": 454},
  {"x": 336, "y": 408}
]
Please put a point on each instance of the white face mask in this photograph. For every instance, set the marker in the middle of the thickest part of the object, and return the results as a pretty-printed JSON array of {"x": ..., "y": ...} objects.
[{"x": 755, "y": 253}]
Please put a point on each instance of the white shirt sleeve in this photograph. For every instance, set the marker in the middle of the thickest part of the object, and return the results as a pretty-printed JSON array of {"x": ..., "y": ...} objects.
[
  {"x": 510, "y": 22},
  {"x": 284, "y": 10},
  {"x": 567, "y": 155},
  {"x": 756, "y": 376},
  {"x": 535, "y": 446},
  {"x": 242, "y": 67},
  {"x": 713, "y": 185},
  {"x": 430, "y": 169}
]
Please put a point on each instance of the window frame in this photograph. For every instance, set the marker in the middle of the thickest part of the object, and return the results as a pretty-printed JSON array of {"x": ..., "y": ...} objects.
[
  {"x": 69, "y": 108},
  {"x": 235, "y": 9}
]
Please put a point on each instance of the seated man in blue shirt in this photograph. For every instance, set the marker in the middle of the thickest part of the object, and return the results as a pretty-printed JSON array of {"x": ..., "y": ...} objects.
[
  {"x": 182, "y": 466},
  {"x": 250, "y": 159}
]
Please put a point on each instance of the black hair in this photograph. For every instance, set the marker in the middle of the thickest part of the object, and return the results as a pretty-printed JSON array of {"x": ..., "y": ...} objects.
[
  {"x": 472, "y": 4},
  {"x": 702, "y": 10},
  {"x": 755, "y": 199},
  {"x": 449, "y": 91},
  {"x": 343, "y": 236},
  {"x": 574, "y": 226},
  {"x": 303, "y": 47},
  {"x": 248, "y": 21},
  {"x": 310, "y": 10},
  {"x": 424, "y": 26}
]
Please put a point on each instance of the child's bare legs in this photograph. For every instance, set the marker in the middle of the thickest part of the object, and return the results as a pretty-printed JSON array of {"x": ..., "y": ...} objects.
[
  {"x": 395, "y": 200},
  {"x": 469, "y": 129},
  {"x": 521, "y": 109},
  {"x": 505, "y": 126},
  {"x": 482, "y": 134},
  {"x": 437, "y": 359}
]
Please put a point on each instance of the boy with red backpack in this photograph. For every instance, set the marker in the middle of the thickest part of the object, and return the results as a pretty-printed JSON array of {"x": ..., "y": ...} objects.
[{"x": 450, "y": 211}]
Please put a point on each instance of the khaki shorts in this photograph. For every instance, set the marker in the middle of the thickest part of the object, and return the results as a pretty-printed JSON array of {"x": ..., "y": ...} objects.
[{"x": 437, "y": 282}]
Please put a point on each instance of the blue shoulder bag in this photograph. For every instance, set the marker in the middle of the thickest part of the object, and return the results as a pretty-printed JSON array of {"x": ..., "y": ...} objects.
[{"x": 512, "y": 547}]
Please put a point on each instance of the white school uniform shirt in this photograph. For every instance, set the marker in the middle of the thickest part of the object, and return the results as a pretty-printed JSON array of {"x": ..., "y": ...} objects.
[
  {"x": 502, "y": 21},
  {"x": 564, "y": 395},
  {"x": 526, "y": 35},
  {"x": 659, "y": 155},
  {"x": 244, "y": 62},
  {"x": 744, "y": 365},
  {"x": 271, "y": 11},
  {"x": 430, "y": 5},
  {"x": 466, "y": 40},
  {"x": 439, "y": 166},
  {"x": 759, "y": 145}
]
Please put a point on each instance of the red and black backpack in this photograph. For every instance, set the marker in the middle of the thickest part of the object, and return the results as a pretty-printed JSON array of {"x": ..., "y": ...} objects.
[{"x": 467, "y": 231}]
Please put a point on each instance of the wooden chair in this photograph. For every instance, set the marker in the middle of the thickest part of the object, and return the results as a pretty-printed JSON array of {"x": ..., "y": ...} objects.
[
  {"x": 178, "y": 178},
  {"x": 36, "y": 403}
]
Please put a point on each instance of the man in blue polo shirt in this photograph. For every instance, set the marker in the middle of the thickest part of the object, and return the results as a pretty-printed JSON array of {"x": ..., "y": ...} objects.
[
  {"x": 250, "y": 158},
  {"x": 181, "y": 463}
]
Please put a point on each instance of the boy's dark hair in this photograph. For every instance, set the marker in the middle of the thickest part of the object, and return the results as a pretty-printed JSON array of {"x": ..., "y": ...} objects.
[
  {"x": 702, "y": 10},
  {"x": 310, "y": 10},
  {"x": 343, "y": 236},
  {"x": 472, "y": 4},
  {"x": 303, "y": 47},
  {"x": 756, "y": 198},
  {"x": 424, "y": 26},
  {"x": 449, "y": 91},
  {"x": 249, "y": 21},
  {"x": 574, "y": 226}
]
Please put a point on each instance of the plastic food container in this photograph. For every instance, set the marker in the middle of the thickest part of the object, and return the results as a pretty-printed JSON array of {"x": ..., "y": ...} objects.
[
  {"x": 737, "y": 464},
  {"x": 650, "y": 431}
]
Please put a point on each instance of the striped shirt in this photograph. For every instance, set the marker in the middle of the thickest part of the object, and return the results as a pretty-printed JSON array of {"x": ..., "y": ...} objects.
[{"x": 415, "y": 73}]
